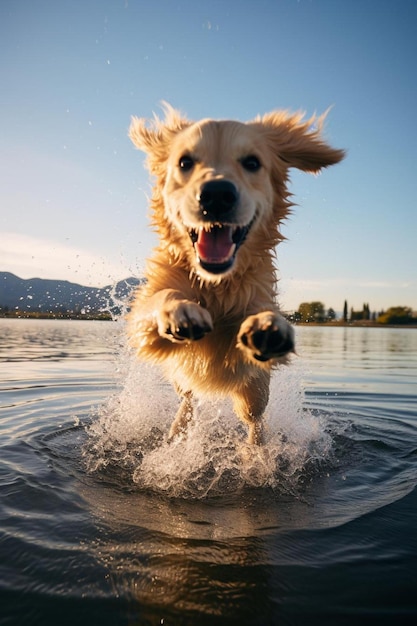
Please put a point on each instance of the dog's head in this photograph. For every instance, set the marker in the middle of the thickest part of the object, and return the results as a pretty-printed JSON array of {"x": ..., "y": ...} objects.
[{"x": 221, "y": 185}]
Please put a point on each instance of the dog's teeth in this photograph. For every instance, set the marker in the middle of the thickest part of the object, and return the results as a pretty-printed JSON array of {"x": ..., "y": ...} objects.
[{"x": 193, "y": 235}]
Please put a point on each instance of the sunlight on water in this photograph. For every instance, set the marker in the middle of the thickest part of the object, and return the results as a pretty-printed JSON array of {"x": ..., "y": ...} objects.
[
  {"x": 206, "y": 525},
  {"x": 129, "y": 434}
]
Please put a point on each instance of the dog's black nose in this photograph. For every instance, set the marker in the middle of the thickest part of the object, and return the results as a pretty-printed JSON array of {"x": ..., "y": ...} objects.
[{"x": 217, "y": 198}]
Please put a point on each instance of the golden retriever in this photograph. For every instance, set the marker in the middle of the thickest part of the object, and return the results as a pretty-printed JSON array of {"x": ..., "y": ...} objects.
[{"x": 208, "y": 312}]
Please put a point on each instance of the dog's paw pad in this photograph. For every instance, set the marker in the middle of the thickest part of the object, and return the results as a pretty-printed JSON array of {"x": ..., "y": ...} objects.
[
  {"x": 266, "y": 336},
  {"x": 190, "y": 331},
  {"x": 185, "y": 321},
  {"x": 271, "y": 342}
]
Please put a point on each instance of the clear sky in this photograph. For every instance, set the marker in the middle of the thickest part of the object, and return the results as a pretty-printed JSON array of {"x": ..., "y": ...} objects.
[{"x": 73, "y": 190}]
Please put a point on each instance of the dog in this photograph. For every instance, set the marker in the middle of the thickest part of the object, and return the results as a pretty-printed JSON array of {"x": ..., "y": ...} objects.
[{"x": 208, "y": 311}]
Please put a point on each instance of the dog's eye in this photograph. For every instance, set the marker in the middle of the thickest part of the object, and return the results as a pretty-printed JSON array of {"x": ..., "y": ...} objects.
[
  {"x": 186, "y": 163},
  {"x": 251, "y": 163}
]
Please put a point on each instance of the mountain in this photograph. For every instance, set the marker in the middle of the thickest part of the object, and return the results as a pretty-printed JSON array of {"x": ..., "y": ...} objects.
[{"x": 53, "y": 296}]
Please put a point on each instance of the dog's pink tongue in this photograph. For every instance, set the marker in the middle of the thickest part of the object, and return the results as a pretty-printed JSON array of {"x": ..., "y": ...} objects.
[{"x": 215, "y": 245}]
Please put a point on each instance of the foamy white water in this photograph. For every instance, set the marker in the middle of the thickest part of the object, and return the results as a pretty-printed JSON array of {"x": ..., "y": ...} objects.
[{"x": 131, "y": 430}]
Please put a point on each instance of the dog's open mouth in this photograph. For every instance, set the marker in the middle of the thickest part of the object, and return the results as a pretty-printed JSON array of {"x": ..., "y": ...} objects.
[{"x": 216, "y": 247}]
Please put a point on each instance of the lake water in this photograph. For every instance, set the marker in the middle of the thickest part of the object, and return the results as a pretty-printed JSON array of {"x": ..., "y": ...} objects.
[{"x": 103, "y": 522}]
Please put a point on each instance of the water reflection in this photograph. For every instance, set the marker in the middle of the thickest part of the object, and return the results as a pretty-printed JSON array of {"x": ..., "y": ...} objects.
[
  {"x": 243, "y": 557},
  {"x": 211, "y": 559},
  {"x": 46, "y": 340},
  {"x": 346, "y": 357}
]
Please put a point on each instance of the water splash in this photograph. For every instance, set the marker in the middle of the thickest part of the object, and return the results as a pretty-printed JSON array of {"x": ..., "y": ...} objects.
[{"x": 128, "y": 438}]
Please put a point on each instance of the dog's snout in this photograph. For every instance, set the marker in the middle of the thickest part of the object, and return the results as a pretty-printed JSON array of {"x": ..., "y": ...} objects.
[{"x": 218, "y": 197}]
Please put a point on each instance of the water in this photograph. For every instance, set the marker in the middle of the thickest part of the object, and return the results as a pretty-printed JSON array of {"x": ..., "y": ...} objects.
[{"x": 103, "y": 522}]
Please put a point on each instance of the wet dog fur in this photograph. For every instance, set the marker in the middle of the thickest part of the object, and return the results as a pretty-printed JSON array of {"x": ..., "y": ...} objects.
[{"x": 208, "y": 313}]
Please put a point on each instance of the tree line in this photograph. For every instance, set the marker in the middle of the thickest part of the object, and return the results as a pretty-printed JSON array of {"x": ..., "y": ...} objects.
[
  {"x": 316, "y": 312},
  {"x": 62, "y": 313}
]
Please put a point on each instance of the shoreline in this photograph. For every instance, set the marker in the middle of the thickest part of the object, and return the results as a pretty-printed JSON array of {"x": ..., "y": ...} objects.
[
  {"x": 99, "y": 317},
  {"x": 107, "y": 317},
  {"x": 355, "y": 324}
]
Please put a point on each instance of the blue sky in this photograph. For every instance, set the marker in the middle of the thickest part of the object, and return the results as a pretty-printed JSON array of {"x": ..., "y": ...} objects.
[{"x": 73, "y": 190}]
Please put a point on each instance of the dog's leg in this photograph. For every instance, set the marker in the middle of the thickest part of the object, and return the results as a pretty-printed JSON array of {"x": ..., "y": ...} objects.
[
  {"x": 250, "y": 403},
  {"x": 183, "y": 417}
]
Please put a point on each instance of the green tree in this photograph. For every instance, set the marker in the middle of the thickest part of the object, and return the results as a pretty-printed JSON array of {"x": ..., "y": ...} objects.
[
  {"x": 312, "y": 312},
  {"x": 331, "y": 314},
  {"x": 345, "y": 311},
  {"x": 304, "y": 312},
  {"x": 397, "y": 315}
]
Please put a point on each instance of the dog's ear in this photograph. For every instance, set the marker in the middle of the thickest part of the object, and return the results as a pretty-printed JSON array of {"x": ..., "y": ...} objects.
[
  {"x": 298, "y": 142},
  {"x": 154, "y": 136}
]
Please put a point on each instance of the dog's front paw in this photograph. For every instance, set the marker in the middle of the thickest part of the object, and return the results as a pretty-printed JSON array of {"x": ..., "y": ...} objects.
[
  {"x": 266, "y": 336},
  {"x": 184, "y": 320}
]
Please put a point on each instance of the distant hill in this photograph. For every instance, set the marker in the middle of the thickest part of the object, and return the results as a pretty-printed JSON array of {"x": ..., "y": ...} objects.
[{"x": 58, "y": 296}]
